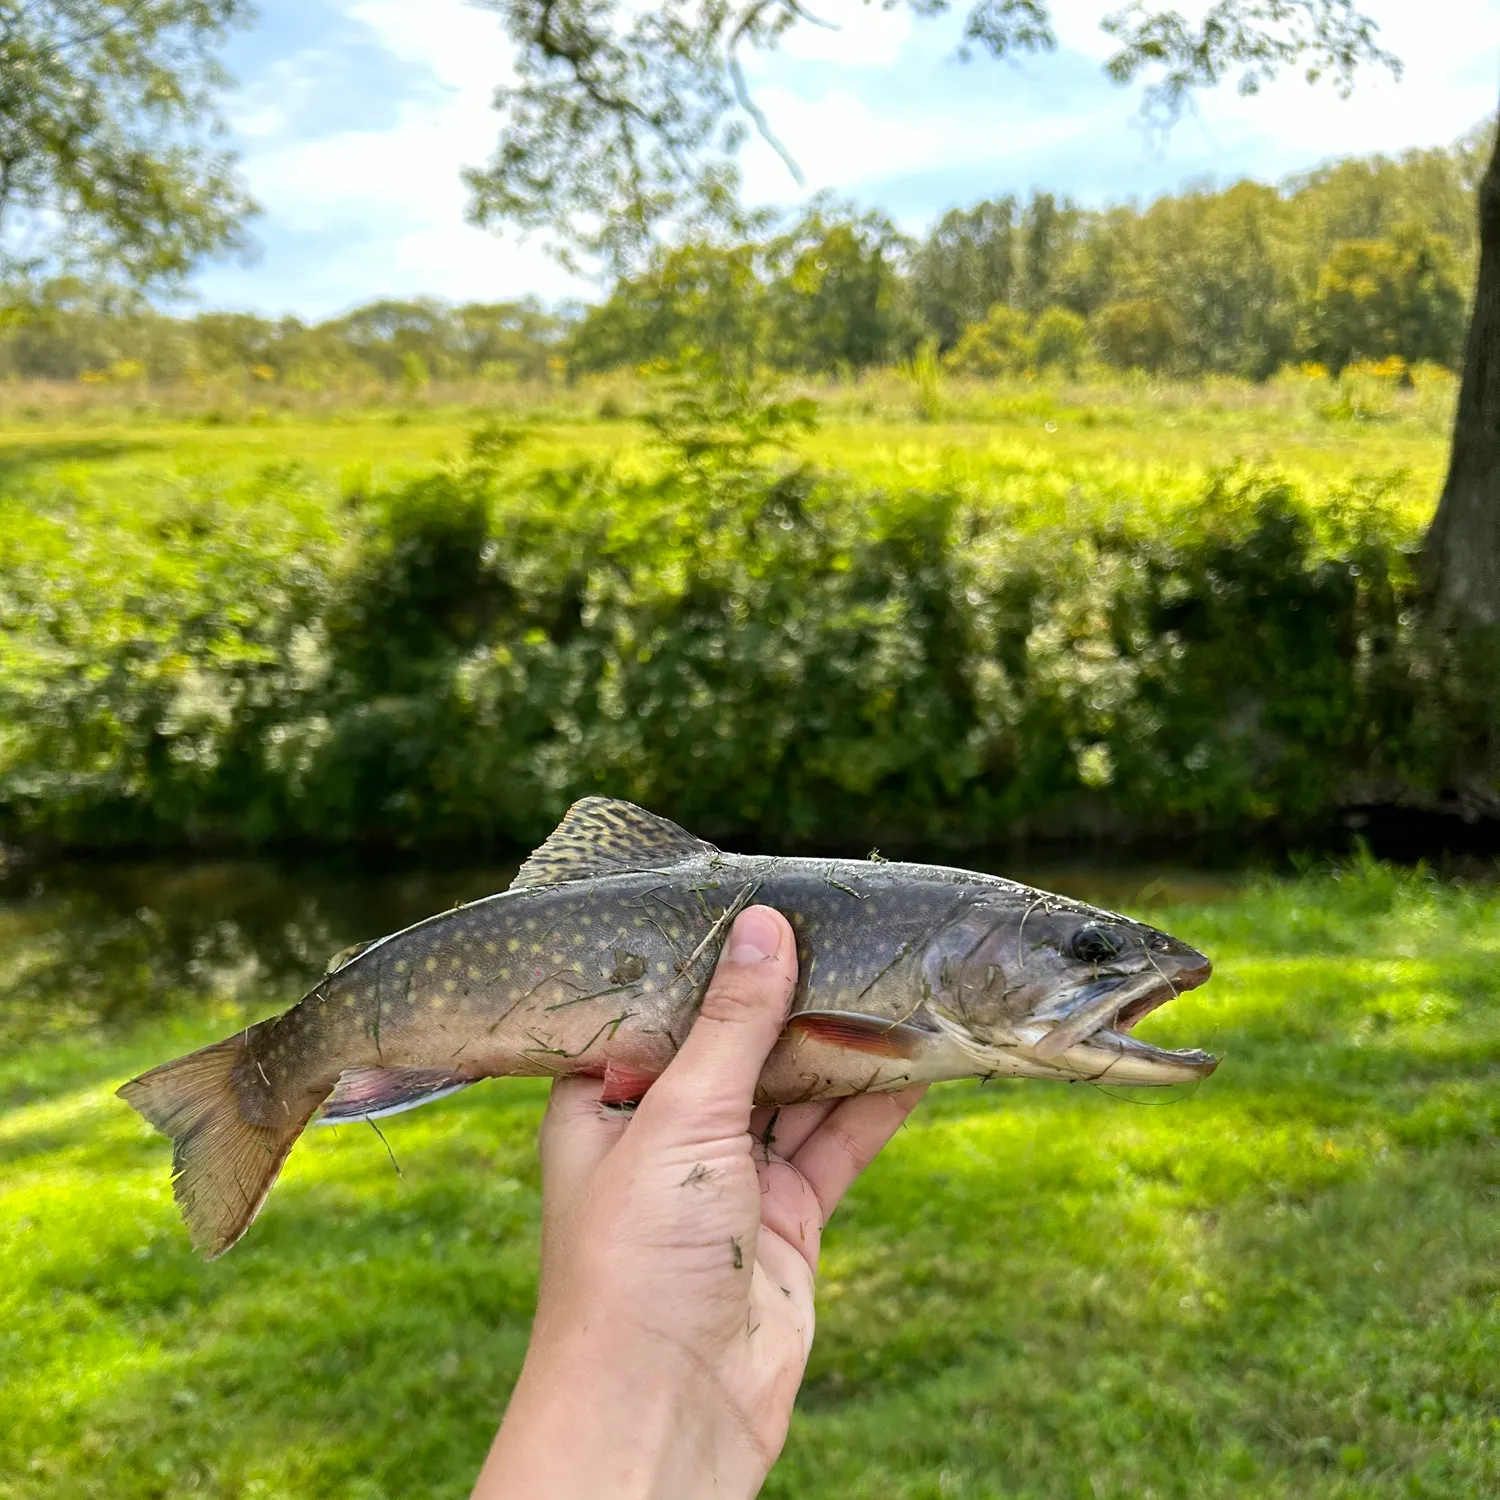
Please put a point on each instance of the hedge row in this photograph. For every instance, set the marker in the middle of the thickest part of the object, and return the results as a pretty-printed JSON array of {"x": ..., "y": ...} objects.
[{"x": 776, "y": 657}]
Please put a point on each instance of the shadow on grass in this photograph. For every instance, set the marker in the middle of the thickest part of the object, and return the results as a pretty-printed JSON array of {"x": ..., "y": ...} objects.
[
  {"x": 19, "y": 459},
  {"x": 1033, "y": 1294}
]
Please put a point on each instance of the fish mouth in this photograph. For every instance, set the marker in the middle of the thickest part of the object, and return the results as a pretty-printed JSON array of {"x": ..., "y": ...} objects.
[{"x": 1091, "y": 1036}]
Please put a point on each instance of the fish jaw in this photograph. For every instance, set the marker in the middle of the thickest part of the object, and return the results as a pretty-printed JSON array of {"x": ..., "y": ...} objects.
[{"x": 1088, "y": 1034}]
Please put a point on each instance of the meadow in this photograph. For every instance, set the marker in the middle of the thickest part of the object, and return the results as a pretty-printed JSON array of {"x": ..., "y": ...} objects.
[
  {"x": 885, "y": 426},
  {"x": 1281, "y": 1283}
]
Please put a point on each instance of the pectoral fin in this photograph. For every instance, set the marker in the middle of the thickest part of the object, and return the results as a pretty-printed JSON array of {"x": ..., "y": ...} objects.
[
  {"x": 369, "y": 1093},
  {"x": 875, "y": 1035}
]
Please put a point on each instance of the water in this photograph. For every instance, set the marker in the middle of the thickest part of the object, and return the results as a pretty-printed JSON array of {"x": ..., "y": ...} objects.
[{"x": 105, "y": 945}]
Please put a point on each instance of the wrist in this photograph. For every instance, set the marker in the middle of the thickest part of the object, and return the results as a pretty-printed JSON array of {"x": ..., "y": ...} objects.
[{"x": 618, "y": 1413}]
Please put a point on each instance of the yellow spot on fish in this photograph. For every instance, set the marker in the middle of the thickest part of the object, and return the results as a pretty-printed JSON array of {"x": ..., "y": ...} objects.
[
  {"x": 505, "y": 972},
  {"x": 577, "y": 938},
  {"x": 536, "y": 947},
  {"x": 349, "y": 1002},
  {"x": 586, "y": 920},
  {"x": 531, "y": 924},
  {"x": 450, "y": 985},
  {"x": 402, "y": 966},
  {"x": 430, "y": 965},
  {"x": 559, "y": 958},
  {"x": 661, "y": 968},
  {"x": 436, "y": 1002},
  {"x": 647, "y": 987},
  {"x": 453, "y": 963},
  {"x": 512, "y": 944},
  {"x": 474, "y": 973},
  {"x": 492, "y": 947}
]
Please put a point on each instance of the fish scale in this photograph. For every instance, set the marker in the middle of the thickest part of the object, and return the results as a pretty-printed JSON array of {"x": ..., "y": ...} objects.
[{"x": 595, "y": 962}]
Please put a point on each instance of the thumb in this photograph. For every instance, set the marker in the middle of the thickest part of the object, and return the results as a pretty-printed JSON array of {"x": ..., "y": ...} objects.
[{"x": 709, "y": 1087}]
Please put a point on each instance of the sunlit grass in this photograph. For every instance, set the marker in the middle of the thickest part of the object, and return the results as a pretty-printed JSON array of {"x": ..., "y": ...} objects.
[
  {"x": 1134, "y": 438},
  {"x": 1285, "y": 1282}
]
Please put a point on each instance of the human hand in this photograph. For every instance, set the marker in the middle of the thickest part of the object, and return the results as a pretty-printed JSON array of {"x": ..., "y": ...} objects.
[{"x": 679, "y": 1247}]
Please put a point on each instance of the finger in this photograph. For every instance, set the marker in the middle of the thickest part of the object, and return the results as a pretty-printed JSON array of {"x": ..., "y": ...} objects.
[
  {"x": 849, "y": 1140},
  {"x": 577, "y": 1134},
  {"x": 709, "y": 1086},
  {"x": 781, "y": 1129}
]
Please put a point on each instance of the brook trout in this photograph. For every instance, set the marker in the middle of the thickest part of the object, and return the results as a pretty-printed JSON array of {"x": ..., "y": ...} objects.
[{"x": 595, "y": 961}]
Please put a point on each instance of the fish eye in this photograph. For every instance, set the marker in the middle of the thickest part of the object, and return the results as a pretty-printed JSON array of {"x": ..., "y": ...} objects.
[{"x": 1092, "y": 944}]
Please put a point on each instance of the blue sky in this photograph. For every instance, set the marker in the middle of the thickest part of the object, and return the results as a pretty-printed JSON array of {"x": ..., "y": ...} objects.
[{"x": 353, "y": 118}]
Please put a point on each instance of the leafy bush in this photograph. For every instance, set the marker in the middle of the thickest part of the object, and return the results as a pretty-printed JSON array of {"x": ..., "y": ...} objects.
[
  {"x": 999, "y": 345},
  {"x": 778, "y": 653},
  {"x": 1139, "y": 333}
]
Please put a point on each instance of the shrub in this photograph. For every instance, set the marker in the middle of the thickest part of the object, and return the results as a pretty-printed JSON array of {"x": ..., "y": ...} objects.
[
  {"x": 1138, "y": 334},
  {"x": 1000, "y": 345},
  {"x": 1060, "y": 340},
  {"x": 777, "y": 654}
]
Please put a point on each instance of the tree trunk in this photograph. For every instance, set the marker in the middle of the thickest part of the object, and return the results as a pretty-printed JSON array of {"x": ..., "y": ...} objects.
[{"x": 1461, "y": 556}]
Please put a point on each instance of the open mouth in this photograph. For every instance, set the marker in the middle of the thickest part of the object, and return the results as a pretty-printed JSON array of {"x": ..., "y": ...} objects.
[{"x": 1097, "y": 1024}]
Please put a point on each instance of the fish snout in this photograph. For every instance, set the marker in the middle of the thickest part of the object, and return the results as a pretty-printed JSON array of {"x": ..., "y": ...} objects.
[{"x": 1192, "y": 967}]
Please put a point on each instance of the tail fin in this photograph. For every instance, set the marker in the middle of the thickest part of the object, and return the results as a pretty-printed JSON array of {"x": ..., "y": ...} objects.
[{"x": 222, "y": 1164}]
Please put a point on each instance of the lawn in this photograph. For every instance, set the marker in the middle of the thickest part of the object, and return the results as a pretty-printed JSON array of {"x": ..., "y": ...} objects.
[{"x": 1283, "y": 1283}]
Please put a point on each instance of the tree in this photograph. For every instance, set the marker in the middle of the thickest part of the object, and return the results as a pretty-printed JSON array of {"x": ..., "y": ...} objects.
[
  {"x": 1377, "y": 298},
  {"x": 691, "y": 300},
  {"x": 106, "y": 112},
  {"x": 834, "y": 299},
  {"x": 1048, "y": 230},
  {"x": 624, "y": 120},
  {"x": 965, "y": 266},
  {"x": 1461, "y": 553},
  {"x": 1139, "y": 333}
]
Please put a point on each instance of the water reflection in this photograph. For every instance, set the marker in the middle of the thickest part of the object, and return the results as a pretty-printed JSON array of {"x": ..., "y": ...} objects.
[{"x": 85, "y": 946}]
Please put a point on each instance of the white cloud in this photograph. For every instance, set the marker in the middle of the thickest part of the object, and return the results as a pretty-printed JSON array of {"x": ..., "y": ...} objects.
[
  {"x": 844, "y": 141},
  {"x": 463, "y": 46}
]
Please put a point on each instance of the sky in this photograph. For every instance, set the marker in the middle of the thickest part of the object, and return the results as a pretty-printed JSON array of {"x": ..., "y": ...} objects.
[{"x": 353, "y": 119}]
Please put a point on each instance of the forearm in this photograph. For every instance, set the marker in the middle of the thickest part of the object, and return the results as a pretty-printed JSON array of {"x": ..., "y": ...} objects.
[{"x": 597, "y": 1418}]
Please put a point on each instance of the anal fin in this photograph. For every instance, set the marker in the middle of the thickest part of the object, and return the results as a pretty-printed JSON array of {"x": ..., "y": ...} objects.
[
  {"x": 624, "y": 1085},
  {"x": 371, "y": 1093}
]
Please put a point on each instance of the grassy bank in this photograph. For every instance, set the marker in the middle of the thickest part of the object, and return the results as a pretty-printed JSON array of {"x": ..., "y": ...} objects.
[{"x": 1280, "y": 1285}]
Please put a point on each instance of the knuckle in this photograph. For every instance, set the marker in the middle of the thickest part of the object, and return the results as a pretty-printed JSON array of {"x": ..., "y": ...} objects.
[{"x": 740, "y": 997}]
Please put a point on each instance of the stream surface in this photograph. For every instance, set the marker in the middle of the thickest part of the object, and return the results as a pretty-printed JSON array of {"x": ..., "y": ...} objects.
[{"x": 102, "y": 946}]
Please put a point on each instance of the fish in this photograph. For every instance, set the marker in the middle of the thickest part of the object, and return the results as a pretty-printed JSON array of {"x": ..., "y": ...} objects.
[{"x": 595, "y": 960}]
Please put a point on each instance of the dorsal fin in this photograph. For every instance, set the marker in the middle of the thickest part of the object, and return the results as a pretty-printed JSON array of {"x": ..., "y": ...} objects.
[
  {"x": 604, "y": 836},
  {"x": 349, "y": 954}
]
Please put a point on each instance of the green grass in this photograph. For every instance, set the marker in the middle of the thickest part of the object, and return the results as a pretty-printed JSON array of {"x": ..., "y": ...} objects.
[
  {"x": 1131, "y": 435},
  {"x": 1285, "y": 1283}
]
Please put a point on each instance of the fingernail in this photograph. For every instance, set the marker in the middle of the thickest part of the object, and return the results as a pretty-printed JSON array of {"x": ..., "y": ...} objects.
[{"x": 755, "y": 936}]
